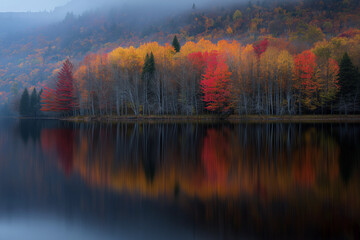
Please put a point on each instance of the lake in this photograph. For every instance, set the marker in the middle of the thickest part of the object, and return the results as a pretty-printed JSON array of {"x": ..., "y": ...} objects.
[{"x": 61, "y": 180}]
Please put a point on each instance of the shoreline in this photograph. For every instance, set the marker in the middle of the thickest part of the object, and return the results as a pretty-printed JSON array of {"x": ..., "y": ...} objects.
[
  {"x": 214, "y": 118},
  {"x": 204, "y": 118}
]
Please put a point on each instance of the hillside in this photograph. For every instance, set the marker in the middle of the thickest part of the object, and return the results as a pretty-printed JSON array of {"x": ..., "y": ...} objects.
[{"x": 31, "y": 58}]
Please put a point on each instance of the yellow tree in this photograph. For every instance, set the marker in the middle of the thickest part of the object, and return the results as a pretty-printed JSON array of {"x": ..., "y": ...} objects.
[{"x": 285, "y": 65}]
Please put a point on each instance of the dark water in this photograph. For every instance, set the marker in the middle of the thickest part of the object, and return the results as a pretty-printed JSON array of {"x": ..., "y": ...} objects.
[{"x": 178, "y": 181}]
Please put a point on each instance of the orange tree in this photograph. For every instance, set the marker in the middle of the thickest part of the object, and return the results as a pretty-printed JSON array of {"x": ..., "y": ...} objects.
[{"x": 215, "y": 83}]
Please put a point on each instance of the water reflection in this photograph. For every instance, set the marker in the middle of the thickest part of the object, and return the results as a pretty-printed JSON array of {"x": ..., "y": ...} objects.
[{"x": 220, "y": 179}]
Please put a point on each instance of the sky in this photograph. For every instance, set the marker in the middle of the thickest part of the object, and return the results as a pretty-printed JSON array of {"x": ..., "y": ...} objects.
[
  {"x": 29, "y": 5},
  {"x": 48, "y": 5}
]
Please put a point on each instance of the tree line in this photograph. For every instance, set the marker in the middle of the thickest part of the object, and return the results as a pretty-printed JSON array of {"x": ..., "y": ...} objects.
[
  {"x": 265, "y": 77},
  {"x": 30, "y": 105}
]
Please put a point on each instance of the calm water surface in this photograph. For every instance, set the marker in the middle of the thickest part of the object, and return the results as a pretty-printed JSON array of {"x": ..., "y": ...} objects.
[{"x": 178, "y": 181}]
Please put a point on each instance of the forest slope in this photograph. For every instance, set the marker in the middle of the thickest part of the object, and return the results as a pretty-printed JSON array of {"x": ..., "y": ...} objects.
[{"x": 30, "y": 59}]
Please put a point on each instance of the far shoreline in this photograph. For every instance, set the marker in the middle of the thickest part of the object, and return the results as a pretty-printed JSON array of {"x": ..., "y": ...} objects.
[
  {"x": 216, "y": 118},
  {"x": 202, "y": 118}
]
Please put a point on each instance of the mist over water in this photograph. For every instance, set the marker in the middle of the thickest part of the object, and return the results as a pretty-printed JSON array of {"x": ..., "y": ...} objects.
[{"x": 162, "y": 180}]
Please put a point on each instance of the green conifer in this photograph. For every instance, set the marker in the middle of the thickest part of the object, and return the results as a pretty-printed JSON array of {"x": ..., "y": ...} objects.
[
  {"x": 33, "y": 102},
  {"x": 24, "y": 103},
  {"x": 151, "y": 65},
  {"x": 176, "y": 44},
  {"x": 348, "y": 81},
  {"x": 145, "y": 67}
]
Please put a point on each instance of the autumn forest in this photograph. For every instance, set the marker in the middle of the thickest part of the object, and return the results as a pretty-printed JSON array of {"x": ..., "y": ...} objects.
[
  {"x": 202, "y": 77},
  {"x": 237, "y": 63}
]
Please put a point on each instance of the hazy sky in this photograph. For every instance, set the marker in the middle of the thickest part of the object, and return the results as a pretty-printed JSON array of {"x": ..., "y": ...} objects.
[
  {"x": 48, "y": 5},
  {"x": 29, "y": 5}
]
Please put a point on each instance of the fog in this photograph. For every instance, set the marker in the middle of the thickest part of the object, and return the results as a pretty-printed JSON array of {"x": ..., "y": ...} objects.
[
  {"x": 80, "y": 6},
  {"x": 17, "y": 16},
  {"x": 30, "y": 5},
  {"x": 83, "y": 5}
]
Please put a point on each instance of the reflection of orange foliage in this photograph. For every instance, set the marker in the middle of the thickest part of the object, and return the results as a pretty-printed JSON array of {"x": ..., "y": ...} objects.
[
  {"x": 103, "y": 172},
  {"x": 60, "y": 142},
  {"x": 304, "y": 170},
  {"x": 99, "y": 172},
  {"x": 228, "y": 169},
  {"x": 308, "y": 159},
  {"x": 305, "y": 174},
  {"x": 214, "y": 156}
]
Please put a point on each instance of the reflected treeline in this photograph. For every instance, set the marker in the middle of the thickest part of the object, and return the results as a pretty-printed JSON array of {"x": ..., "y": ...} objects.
[
  {"x": 211, "y": 155},
  {"x": 30, "y": 129},
  {"x": 279, "y": 178},
  {"x": 349, "y": 142}
]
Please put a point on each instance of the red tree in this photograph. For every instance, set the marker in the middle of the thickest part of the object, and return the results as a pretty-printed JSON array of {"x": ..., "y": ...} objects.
[
  {"x": 215, "y": 83},
  {"x": 48, "y": 100},
  {"x": 260, "y": 47},
  {"x": 62, "y": 98},
  {"x": 198, "y": 60},
  {"x": 305, "y": 66}
]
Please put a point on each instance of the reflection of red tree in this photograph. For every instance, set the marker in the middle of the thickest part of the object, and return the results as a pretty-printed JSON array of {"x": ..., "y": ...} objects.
[
  {"x": 60, "y": 142},
  {"x": 304, "y": 173},
  {"x": 215, "y": 155},
  {"x": 306, "y": 160}
]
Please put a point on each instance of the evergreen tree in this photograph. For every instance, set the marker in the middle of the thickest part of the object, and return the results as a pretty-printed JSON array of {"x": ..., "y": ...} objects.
[
  {"x": 147, "y": 76},
  {"x": 145, "y": 67},
  {"x": 176, "y": 44},
  {"x": 64, "y": 88},
  {"x": 151, "y": 65},
  {"x": 24, "y": 103},
  {"x": 348, "y": 85},
  {"x": 33, "y": 103},
  {"x": 38, "y": 106},
  {"x": 39, "y": 95},
  {"x": 61, "y": 99}
]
